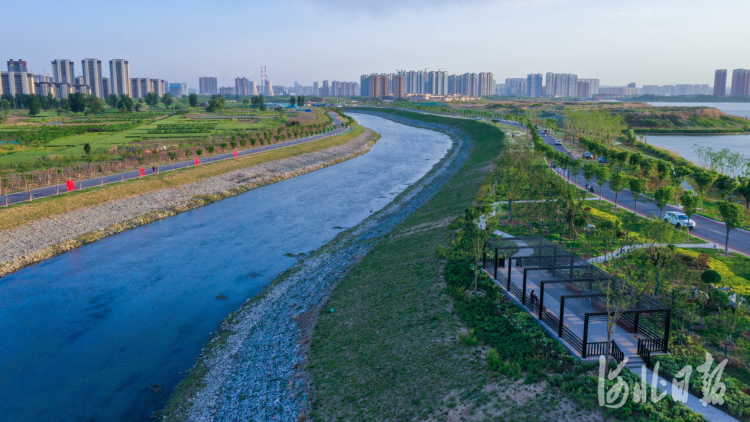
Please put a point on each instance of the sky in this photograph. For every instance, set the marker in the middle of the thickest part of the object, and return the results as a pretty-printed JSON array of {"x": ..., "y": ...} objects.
[{"x": 653, "y": 42}]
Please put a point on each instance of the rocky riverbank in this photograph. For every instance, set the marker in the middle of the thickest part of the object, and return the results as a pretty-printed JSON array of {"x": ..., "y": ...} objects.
[
  {"x": 253, "y": 368},
  {"x": 43, "y": 239}
]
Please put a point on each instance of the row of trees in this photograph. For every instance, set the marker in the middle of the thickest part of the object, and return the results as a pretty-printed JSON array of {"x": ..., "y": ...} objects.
[{"x": 633, "y": 172}]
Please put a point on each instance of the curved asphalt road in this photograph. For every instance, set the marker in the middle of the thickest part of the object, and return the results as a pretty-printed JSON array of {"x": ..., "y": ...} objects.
[
  {"x": 705, "y": 228},
  {"x": 17, "y": 197}
]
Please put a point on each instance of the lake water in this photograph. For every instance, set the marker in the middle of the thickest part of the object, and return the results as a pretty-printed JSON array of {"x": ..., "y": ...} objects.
[
  {"x": 684, "y": 145},
  {"x": 735, "y": 109},
  {"x": 103, "y": 333}
]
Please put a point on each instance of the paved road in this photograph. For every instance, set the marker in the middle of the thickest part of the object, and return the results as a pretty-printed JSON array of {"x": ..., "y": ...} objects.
[
  {"x": 17, "y": 197},
  {"x": 706, "y": 228}
]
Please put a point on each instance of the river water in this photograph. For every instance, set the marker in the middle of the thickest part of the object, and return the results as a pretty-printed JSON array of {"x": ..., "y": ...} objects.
[{"x": 105, "y": 332}]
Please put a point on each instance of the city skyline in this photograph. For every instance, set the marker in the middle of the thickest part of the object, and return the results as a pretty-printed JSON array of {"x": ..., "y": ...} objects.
[{"x": 650, "y": 44}]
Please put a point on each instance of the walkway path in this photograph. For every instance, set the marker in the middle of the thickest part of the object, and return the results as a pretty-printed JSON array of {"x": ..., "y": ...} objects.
[
  {"x": 597, "y": 332},
  {"x": 625, "y": 249}
]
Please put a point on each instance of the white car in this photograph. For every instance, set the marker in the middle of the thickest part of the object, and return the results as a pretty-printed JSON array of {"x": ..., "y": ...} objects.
[
  {"x": 679, "y": 219},
  {"x": 558, "y": 142}
]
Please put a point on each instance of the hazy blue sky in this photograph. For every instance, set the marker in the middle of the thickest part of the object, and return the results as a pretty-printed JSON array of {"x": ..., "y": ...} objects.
[{"x": 647, "y": 42}]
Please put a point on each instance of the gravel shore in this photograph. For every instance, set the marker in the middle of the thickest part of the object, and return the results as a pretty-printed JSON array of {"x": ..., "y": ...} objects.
[
  {"x": 43, "y": 239},
  {"x": 252, "y": 369}
]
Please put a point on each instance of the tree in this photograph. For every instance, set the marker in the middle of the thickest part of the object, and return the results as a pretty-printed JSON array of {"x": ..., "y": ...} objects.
[
  {"x": 5, "y": 104},
  {"x": 726, "y": 185},
  {"x": 704, "y": 179},
  {"x": 690, "y": 204},
  {"x": 167, "y": 100},
  {"x": 94, "y": 105},
  {"x": 65, "y": 104},
  {"x": 292, "y": 101},
  {"x": 87, "y": 149},
  {"x": 678, "y": 176},
  {"x": 152, "y": 99},
  {"x": 571, "y": 203},
  {"x": 744, "y": 189},
  {"x": 125, "y": 103},
  {"x": 602, "y": 175},
  {"x": 112, "y": 100},
  {"x": 193, "y": 100},
  {"x": 34, "y": 106},
  {"x": 216, "y": 104},
  {"x": 617, "y": 184},
  {"x": 589, "y": 171},
  {"x": 662, "y": 196},
  {"x": 77, "y": 102},
  {"x": 637, "y": 186},
  {"x": 663, "y": 169},
  {"x": 301, "y": 100},
  {"x": 732, "y": 215},
  {"x": 138, "y": 106},
  {"x": 258, "y": 101}
]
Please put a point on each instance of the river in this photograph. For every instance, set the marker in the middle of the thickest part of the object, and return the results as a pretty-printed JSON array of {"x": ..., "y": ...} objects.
[{"x": 105, "y": 332}]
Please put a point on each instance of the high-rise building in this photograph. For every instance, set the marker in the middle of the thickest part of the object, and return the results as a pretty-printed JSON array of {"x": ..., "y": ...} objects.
[
  {"x": 119, "y": 74},
  {"x": 720, "y": 83},
  {"x": 208, "y": 85},
  {"x": 563, "y": 85},
  {"x": 242, "y": 87},
  {"x": 17, "y": 83},
  {"x": 740, "y": 82},
  {"x": 415, "y": 82},
  {"x": 158, "y": 86},
  {"x": 63, "y": 71},
  {"x": 325, "y": 91},
  {"x": 316, "y": 88},
  {"x": 18, "y": 66},
  {"x": 593, "y": 85},
  {"x": 364, "y": 85},
  {"x": 399, "y": 86},
  {"x": 17, "y": 80},
  {"x": 106, "y": 87},
  {"x": 226, "y": 90},
  {"x": 486, "y": 84},
  {"x": 92, "y": 75},
  {"x": 378, "y": 86},
  {"x": 534, "y": 85},
  {"x": 584, "y": 89},
  {"x": 139, "y": 87},
  {"x": 516, "y": 87},
  {"x": 436, "y": 83}
]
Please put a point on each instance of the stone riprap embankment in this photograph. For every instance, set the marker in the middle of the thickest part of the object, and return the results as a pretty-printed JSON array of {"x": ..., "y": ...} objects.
[
  {"x": 252, "y": 369},
  {"x": 43, "y": 239}
]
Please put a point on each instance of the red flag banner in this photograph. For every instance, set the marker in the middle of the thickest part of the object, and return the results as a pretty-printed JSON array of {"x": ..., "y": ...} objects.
[
  {"x": 197, "y": 161},
  {"x": 235, "y": 154},
  {"x": 71, "y": 185}
]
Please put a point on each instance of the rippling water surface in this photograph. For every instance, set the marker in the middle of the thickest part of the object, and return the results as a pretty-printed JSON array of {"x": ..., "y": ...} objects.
[{"x": 102, "y": 333}]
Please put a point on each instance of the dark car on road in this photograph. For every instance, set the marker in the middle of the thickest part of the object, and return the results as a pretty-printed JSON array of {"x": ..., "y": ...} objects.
[
  {"x": 587, "y": 155},
  {"x": 603, "y": 160}
]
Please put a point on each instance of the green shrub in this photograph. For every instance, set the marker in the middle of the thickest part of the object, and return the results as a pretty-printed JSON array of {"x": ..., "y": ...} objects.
[{"x": 711, "y": 277}]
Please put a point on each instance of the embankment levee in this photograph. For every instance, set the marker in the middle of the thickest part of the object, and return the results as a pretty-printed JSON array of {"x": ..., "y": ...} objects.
[{"x": 39, "y": 240}]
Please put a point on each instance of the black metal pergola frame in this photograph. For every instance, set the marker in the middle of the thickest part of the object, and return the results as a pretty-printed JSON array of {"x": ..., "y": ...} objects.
[{"x": 566, "y": 273}]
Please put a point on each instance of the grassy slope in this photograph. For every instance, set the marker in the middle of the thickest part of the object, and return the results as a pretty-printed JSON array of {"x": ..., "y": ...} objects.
[
  {"x": 20, "y": 214},
  {"x": 389, "y": 350}
]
